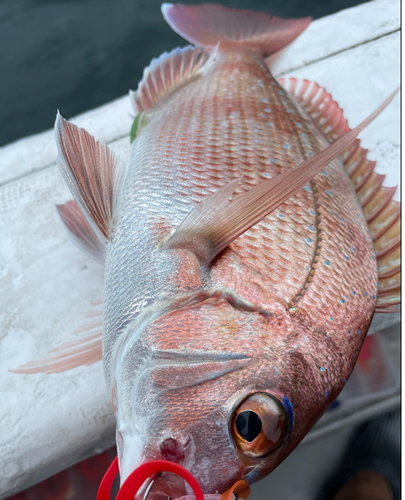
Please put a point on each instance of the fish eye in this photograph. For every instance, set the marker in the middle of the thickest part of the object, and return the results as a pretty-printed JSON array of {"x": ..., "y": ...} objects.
[{"x": 259, "y": 425}]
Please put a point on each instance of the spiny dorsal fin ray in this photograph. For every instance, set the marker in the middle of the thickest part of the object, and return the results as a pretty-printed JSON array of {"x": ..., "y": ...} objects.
[
  {"x": 381, "y": 212},
  {"x": 82, "y": 233},
  {"x": 92, "y": 171},
  {"x": 215, "y": 223},
  {"x": 168, "y": 72}
]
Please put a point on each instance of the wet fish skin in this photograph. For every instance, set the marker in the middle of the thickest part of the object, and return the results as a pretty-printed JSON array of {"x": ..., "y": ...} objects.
[{"x": 281, "y": 294}]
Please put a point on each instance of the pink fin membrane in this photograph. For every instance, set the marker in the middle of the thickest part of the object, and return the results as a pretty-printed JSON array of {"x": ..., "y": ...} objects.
[
  {"x": 167, "y": 73},
  {"x": 83, "y": 234},
  {"x": 381, "y": 212},
  {"x": 85, "y": 349},
  {"x": 208, "y": 24},
  {"x": 92, "y": 171},
  {"x": 213, "y": 224}
]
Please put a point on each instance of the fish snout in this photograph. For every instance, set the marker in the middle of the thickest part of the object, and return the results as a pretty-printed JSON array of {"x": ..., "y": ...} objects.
[{"x": 174, "y": 449}]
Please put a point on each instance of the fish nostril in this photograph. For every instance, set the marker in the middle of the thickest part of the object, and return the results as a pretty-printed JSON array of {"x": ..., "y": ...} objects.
[{"x": 172, "y": 450}]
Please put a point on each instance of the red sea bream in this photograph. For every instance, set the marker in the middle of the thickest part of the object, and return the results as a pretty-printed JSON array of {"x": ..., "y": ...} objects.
[{"x": 238, "y": 291}]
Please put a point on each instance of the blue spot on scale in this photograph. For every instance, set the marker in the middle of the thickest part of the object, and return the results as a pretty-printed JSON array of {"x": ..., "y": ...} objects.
[
  {"x": 264, "y": 99},
  {"x": 373, "y": 297},
  {"x": 344, "y": 380},
  {"x": 290, "y": 410},
  {"x": 270, "y": 124},
  {"x": 281, "y": 92},
  {"x": 342, "y": 301},
  {"x": 312, "y": 212},
  {"x": 307, "y": 188},
  {"x": 309, "y": 240},
  {"x": 273, "y": 160},
  {"x": 353, "y": 249},
  {"x": 354, "y": 293},
  {"x": 348, "y": 332},
  {"x": 331, "y": 318},
  {"x": 346, "y": 297},
  {"x": 258, "y": 141},
  {"x": 329, "y": 191},
  {"x": 359, "y": 332},
  {"x": 322, "y": 369},
  {"x": 326, "y": 394},
  {"x": 324, "y": 173},
  {"x": 281, "y": 216},
  {"x": 312, "y": 228},
  {"x": 310, "y": 153},
  {"x": 365, "y": 294},
  {"x": 286, "y": 146},
  {"x": 267, "y": 110},
  {"x": 306, "y": 339},
  {"x": 341, "y": 219},
  {"x": 327, "y": 262},
  {"x": 346, "y": 257},
  {"x": 298, "y": 124}
]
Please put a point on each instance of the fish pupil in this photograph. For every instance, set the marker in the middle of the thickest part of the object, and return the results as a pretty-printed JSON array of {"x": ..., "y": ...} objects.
[{"x": 248, "y": 425}]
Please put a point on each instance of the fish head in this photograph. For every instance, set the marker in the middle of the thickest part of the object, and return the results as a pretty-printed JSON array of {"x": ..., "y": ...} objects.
[{"x": 216, "y": 389}]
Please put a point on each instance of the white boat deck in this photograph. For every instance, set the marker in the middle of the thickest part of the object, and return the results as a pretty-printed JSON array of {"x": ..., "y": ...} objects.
[{"x": 48, "y": 422}]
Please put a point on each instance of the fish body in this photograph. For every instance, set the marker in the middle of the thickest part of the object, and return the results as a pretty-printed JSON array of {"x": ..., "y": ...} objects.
[
  {"x": 221, "y": 358},
  {"x": 279, "y": 302}
]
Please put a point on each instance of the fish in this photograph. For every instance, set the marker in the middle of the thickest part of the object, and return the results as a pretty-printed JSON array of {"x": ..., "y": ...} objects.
[{"x": 247, "y": 245}]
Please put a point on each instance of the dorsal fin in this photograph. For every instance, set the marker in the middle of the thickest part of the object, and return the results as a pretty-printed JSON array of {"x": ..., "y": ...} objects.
[
  {"x": 92, "y": 171},
  {"x": 82, "y": 233},
  {"x": 381, "y": 212},
  {"x": 206, "y": 25},
  {"x": 213, "y": 224},
  {"x": 166, "y": 73}
]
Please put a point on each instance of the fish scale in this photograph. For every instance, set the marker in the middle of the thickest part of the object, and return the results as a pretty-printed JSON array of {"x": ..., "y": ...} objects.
[{"x": 194, "y": 117}]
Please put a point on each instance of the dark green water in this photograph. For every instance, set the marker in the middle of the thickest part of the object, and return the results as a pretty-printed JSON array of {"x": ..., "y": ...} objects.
[{"x": 76, "y": 55}]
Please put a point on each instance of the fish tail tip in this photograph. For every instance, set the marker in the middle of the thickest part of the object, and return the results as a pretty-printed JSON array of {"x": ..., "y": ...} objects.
[{"x": 165, "y": 7}]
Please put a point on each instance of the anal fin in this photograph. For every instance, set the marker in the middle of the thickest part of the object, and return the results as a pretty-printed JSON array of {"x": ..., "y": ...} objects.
[
  {"x": 83, "y": 234},
  {"x": 92, "y": 172},
  {"x": 381, "y": 212}
]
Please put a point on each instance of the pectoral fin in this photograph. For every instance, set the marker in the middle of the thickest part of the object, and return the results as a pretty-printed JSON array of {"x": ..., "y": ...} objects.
[{"x": 216, "y": 222}]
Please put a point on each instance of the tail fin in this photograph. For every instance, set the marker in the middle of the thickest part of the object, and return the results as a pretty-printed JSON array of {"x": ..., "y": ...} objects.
[{"x": 208, "y": 24}]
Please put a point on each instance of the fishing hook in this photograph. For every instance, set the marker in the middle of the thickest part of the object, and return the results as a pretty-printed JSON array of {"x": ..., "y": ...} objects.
[{"x": 150, "y": 485}]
